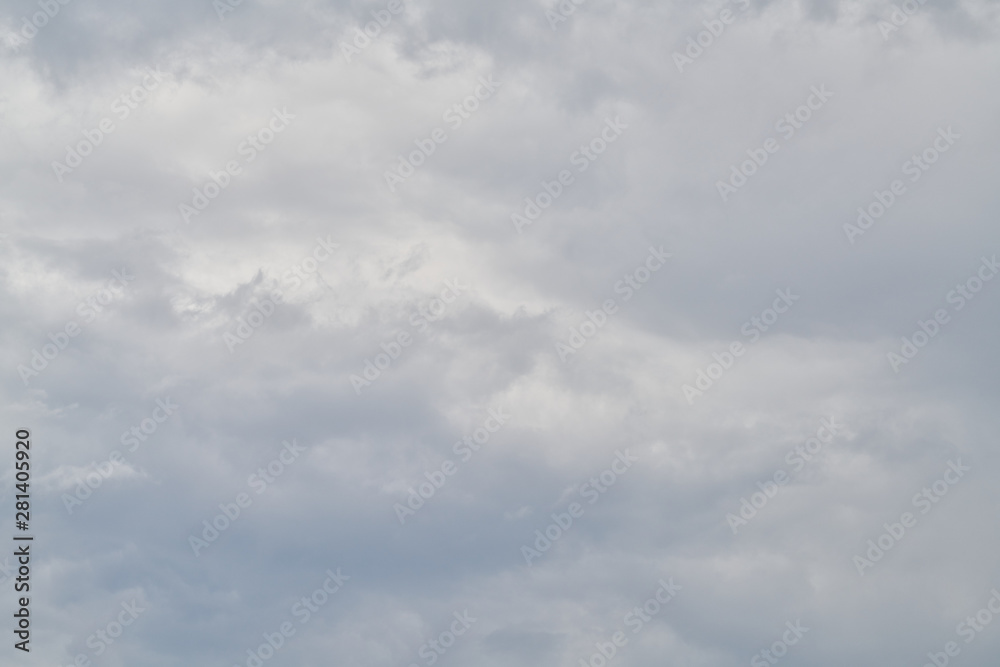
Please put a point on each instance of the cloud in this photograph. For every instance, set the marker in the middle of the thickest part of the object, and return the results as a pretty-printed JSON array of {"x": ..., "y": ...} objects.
[{"x": 302, "y": 269}]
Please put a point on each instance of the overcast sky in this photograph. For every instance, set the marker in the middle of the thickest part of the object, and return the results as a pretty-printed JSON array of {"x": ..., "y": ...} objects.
[{"x": 702, "y": 292}]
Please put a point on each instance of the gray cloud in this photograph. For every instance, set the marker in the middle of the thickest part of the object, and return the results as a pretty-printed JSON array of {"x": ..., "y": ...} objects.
[{"x": 204, "y": 283}]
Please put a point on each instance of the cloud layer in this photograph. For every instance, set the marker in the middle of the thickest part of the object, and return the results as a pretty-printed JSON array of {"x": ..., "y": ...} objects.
[{"x": 474, "y": 338}]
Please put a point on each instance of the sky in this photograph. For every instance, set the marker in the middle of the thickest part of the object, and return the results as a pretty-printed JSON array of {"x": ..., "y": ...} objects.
[{"x": 524, "y": 333}]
